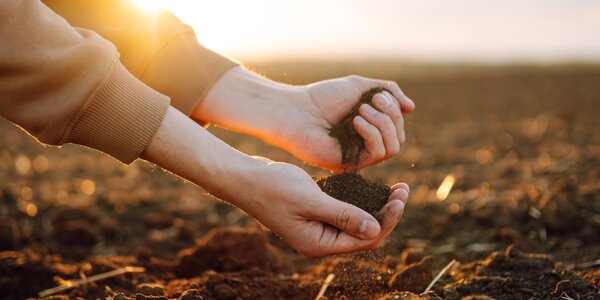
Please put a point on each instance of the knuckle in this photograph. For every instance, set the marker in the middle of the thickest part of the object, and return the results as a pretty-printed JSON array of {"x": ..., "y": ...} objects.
[
  {"x": 373, "y": 246},
  {"x": 354, "y": 77},
  {"x": 343, "y": 218},
  {"x": 310, "y": 252},
  {"x": 394, "y": 149},
  {"x": 379, "y": 152}
]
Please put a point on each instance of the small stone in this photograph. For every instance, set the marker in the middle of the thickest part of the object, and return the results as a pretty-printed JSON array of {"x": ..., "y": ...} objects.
[
  {"x": 139, "y": 296},
  {"x": 121, "y": 296},
  {"x": 225, "y": 291},
  {"x": 78, "y": 233},
  {"x": 192, "y": 294},
  {"x": 150, "y": 289}
]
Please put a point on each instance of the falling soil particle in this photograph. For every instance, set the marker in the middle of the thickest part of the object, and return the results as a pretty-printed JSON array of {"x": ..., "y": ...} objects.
[
  {"x": 354, "y": 189},
  {"x": 350, "y": 141},
  {"x": 351, "y": 187}
]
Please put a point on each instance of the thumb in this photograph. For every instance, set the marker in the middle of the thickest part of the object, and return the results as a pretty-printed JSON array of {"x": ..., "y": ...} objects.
[{"x": 347, "y": 218}]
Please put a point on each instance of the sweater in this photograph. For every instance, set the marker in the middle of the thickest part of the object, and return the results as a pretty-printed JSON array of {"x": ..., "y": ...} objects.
[{"x": 109, "y": 88}]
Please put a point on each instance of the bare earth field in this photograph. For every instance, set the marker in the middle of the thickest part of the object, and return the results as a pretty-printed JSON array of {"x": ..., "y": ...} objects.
[{"x": 517, "y": 146}]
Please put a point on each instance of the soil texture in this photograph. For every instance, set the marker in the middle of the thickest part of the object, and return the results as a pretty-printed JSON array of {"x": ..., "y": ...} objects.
[
  {"x": 351, "y": 143},
  {"x": 519, "y": 145},
  {"x": 352, "y": 188}
]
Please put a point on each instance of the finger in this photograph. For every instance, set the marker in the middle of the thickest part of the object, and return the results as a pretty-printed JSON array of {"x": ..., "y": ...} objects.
[
  {"x": 392, "y": 213},
  {"x": 386, "y": 127},
  {"x": 406, "y": 104},
  {"x": 332, "y": 242},
  {"x": 399, "y": 194},
  {"x": 400, "y": 185},
  {"x": 373, "y": 140},
  {"x": 347, "y": 218},
  {"x": 386, "y": 103}
]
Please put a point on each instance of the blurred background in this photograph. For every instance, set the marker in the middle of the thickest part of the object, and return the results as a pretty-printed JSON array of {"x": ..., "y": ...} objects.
[
  {"x": 431, "y": 30},
  {"x": 504, "y": 147}
]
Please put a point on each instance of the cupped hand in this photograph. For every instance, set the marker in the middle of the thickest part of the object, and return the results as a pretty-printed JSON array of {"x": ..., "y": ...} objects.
[
  {"x": 305, "y": 129},
  {"x": 290, "y": 204}
]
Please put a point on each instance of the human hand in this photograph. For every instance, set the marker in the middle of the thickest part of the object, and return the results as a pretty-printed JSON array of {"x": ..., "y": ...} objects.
[
  {"x": 298, "y": 118},
  {"x": 281, "y": 196},
  {"x": 288, "y": 202},
  {"x": 305, "y": 129}
]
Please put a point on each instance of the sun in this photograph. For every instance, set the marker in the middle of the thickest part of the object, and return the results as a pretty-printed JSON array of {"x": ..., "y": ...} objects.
[{"x": 150, "y": 5}]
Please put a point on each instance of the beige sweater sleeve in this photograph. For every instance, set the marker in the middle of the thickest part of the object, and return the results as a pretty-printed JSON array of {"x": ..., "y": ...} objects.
[
  {"x": 156, "y": 47},
  {"x": 66, "y": 85}
]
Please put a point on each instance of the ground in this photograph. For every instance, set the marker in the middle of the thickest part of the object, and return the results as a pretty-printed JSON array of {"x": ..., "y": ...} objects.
[{"x": 522, "y": 218}]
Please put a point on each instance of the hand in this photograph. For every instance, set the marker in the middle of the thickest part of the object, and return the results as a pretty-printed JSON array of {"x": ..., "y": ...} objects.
[
  {"x": 305, "y": 130},
  {"x": 298, "y": 118},
  {"x": 281, "y": 196},
  {"x": 290, "y": 204}
]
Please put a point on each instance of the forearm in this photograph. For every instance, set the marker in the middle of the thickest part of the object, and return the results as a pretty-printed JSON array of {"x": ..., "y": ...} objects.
[
  {"x": 66, "y": 85},
  {"x": 183, "y": 147},
  {"x": 245, "y": 102}
]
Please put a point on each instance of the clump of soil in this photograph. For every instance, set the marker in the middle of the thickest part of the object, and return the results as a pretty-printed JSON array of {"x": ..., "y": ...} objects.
[
  {"x": 230, "y": 249},
  {"x": 352, "y": 188},
  {"x": 414, "y": 277},
  {"x": 515, "y": 275},
  {"x": 351, "y": 142},
  {"x": 349, "y": 186},
  {"x": 354, "y": 278}
]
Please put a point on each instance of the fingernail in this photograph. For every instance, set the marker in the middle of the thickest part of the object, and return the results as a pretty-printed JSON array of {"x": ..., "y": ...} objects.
[
  {"x": 368, "y": 229},
  {"x": 361, "y": 120},
  {"x": 369, "y": 110},
  {"x": 387, "y": 101},
  {"x": 396, "y": 209},
  {"x": 383, "y": 102}
]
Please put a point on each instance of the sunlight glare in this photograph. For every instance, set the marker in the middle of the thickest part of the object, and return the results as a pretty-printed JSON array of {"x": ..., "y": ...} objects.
[
  {"x": 445, "y": 187},
  {"x": 150, "y": 5}
]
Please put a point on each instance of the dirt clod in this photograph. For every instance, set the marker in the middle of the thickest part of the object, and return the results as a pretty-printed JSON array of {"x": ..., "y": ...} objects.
[
  {"x": 414, "y": 277},
  {"x": 354, "y": 189},
  {"x": 150, "y": 289},
  {"x": 230, "y": 249},
  {"x": 192, "y": 294}
]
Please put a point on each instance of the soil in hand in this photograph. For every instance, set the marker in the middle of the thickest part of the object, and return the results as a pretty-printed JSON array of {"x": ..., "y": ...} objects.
[
  {"x": 351, "y": 142},
  {"x": 352, "y": 188}
]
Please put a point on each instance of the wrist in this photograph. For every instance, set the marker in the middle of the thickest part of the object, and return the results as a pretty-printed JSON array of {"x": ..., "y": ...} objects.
[{"x": 247, "y": 103}]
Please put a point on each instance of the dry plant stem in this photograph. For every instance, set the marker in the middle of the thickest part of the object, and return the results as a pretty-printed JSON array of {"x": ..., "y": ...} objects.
[
  {"x": 69, "y": 284},
  {"x": 439, "y": 275},
  {"x": 565, "y": 296},
  {"x": 326, "y": 283}
]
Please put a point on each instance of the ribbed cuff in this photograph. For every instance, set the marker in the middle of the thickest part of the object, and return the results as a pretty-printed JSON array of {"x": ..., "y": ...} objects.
[{"x": 121, "y": 118}]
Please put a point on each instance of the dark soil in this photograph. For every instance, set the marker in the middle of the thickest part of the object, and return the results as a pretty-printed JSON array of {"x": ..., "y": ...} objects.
[
  {"x": 351, "y": 143},
  {"x": 352, "y": 188},
  {"x": 522, "y": 218}
]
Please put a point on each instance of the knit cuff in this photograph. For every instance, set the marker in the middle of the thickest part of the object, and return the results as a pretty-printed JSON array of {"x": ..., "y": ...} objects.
[{"x": 120, "y": 118}]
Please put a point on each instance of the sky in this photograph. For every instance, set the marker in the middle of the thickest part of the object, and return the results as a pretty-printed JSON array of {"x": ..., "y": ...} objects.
[{"x": 542, "y": 31}]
